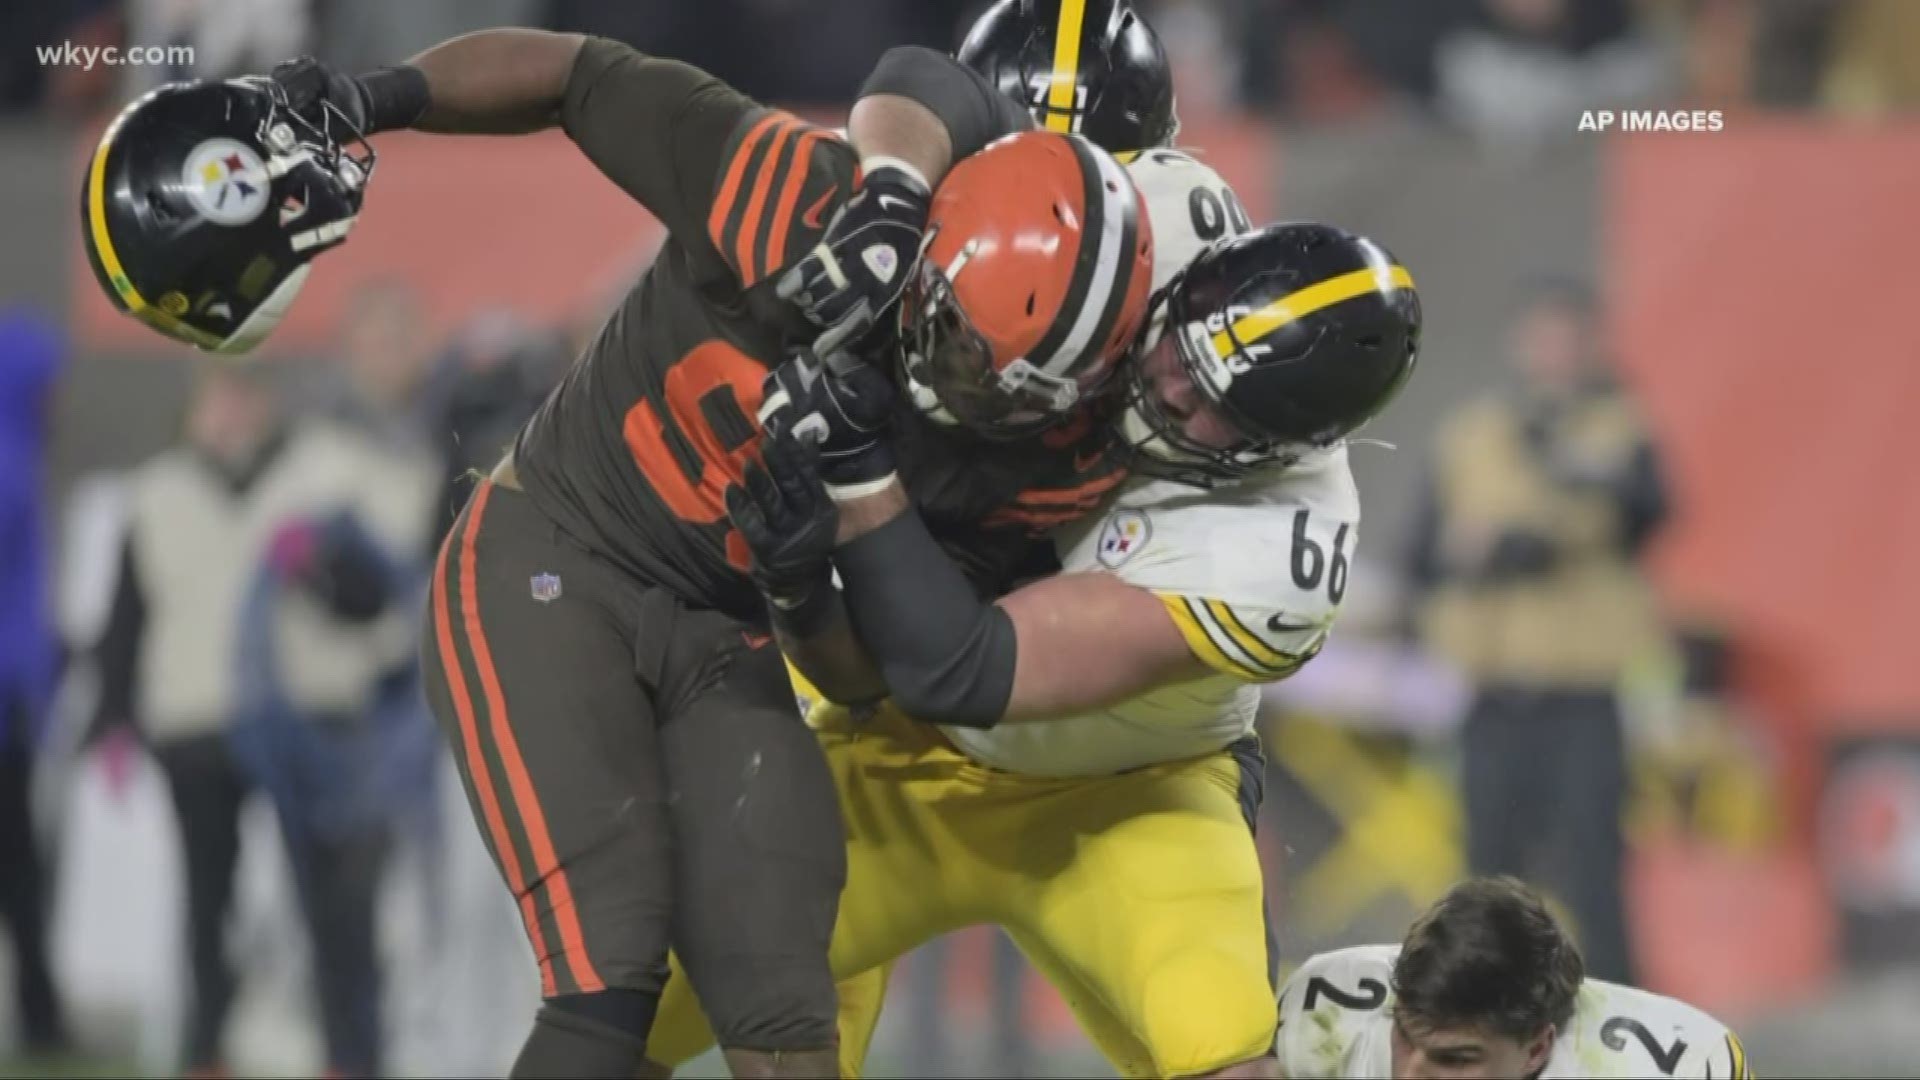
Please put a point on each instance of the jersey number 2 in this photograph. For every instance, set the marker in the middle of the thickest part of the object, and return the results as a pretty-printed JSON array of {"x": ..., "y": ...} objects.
[
  {"x": 714, "y": 382},
  {"x": 1373, "y": 993},
  {"x": 1667, "y": 1058}
]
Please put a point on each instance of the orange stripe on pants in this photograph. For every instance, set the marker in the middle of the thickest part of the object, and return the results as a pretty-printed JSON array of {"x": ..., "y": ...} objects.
[
  {"x": 545, "y": 863},
  {"x": 477, "y": 762}
]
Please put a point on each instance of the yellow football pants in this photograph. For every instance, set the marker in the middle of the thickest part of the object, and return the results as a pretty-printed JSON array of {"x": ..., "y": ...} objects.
[{"x": 1138, "y": 896}]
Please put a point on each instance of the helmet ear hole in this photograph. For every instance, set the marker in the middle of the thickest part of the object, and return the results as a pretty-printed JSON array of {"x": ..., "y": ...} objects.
[{"x": 1031, "y": 297}]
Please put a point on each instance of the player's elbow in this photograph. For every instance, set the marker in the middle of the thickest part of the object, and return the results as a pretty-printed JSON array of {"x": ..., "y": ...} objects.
[
  {"x": 944, "y": 696},
  {"x": 923, "y": 699},
  {"x": 970, "y": 686}
]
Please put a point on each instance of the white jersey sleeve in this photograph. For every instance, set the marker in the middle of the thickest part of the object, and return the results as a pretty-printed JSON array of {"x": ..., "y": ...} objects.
[
  {"x": 1252, "y": 573},
  {"x": 1620, "y": 1031},
  {"x": 1189, "y": 204},
  {"x": 1335, "y": 1015}
]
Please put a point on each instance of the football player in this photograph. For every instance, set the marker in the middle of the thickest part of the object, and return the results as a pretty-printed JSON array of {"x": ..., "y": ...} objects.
[
  {"x": 1487, "y": 984},
  {"x": 1091, "y": 783},
  {"x": 1095, "y": 798},
  {"x": 596, "y": 650}
]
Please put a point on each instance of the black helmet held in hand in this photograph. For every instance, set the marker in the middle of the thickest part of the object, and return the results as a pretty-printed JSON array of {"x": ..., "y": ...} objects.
[
  {"x": 1085, "y": 67},
  {"x": 1289, "y": 338},
  {"x": 205, "y": 202}
]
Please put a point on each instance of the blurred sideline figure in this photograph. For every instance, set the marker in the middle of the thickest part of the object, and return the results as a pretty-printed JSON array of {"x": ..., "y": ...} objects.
[
  {"x": 29, "y": 365},
  {"x": 254, "y": 635},
  {"x": 1540, "y": 502}
]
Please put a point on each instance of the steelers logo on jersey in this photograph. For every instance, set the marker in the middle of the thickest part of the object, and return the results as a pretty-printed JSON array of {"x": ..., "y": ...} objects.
[
  {"x": 226, "y": 181},
  {"x": 1125, "y": 533}
]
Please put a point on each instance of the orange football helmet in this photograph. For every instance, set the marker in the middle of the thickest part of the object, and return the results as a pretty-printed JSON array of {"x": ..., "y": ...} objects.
[{"x": 1031, "y": 286}]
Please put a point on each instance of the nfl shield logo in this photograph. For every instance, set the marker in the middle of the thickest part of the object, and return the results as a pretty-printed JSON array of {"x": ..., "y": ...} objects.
[{"x": 546, "y": 587}]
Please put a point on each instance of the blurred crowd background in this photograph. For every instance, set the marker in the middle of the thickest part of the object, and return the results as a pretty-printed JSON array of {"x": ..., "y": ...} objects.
[{"x": 1630, "y": 615}]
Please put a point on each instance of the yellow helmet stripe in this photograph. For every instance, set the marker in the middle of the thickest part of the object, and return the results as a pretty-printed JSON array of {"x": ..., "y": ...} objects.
[
  {"x": 1304, "y": 302},
  {"x": 110, "y": 259},
  {"x": 1066, "y": 65},
  {"x": 97, "y": 224}
]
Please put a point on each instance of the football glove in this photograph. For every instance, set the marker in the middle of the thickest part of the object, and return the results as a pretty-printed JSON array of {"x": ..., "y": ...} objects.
[
  {"x": 382, "y": 100},
  {"x": 312, "y": 85},
  {"x": 843, "y": 411},
  {"x": 783, "y": 513},
  {"x": 851, "y": 280}
]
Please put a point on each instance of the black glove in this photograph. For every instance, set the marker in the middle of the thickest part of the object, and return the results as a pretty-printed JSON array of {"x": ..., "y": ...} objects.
[
  {"x": 782, "y": 511},
  {"x": 844, "y": 414},
  {"x": 851, "y": 279},
  {"x": 311, "y": 85},
  {"x": 382, "y": 100}
]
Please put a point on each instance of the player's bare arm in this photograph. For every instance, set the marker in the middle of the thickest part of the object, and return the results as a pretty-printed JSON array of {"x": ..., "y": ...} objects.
[{"x": 496, "y": 82}]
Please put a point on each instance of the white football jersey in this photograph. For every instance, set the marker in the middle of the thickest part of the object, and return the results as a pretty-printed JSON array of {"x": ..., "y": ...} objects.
[
  {"x": 1336, "y": 1020},
  {"x": 1188, "y": 203},
  {"x": 1252, "y": 573}
]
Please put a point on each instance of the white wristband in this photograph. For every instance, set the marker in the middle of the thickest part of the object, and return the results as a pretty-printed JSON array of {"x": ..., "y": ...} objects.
[
  {"x": 870, "y": 165},
  {"x": 842, "y": 493}
]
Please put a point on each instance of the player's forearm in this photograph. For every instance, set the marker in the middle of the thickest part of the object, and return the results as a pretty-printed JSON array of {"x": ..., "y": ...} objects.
[
  {"x": 888, "y": 126},
  {"x": 946, "y": 655},
  {"x": 924, "y": 107},
  {"x": 862, "y": 515},
  {"x": 496, "y": 82},
  {"x": 832, "y": 659}
]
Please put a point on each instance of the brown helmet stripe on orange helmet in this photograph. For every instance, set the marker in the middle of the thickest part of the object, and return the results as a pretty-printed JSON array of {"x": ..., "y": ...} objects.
[{"x": 1103, "y": 268}]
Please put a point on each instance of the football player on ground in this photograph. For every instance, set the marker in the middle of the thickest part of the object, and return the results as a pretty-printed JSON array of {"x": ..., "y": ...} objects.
[
  {"x": 1487, "y": 984},
  {"x": 1092, "y": 783},
  {"x": 596, "y": 648}
]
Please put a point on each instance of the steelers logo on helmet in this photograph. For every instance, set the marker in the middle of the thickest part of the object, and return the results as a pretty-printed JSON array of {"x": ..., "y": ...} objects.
[
  {"x": 1275, "y": 343},
  {"x": 204, "y": 204},
  {"x": 226, "y": 181}
]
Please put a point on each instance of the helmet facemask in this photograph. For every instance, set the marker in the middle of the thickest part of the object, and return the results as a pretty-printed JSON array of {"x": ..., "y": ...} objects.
[
  {"x": 949, "y": 365},
  {"x": 1159, "y": 442},
  {"x": 342, "y": 160}
]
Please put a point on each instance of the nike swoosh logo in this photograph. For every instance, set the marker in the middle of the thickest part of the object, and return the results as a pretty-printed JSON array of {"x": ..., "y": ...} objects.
[
  {"x": 1280, "y": 625},
  {"x": 889, "y": 200},
  {"x": 811, "y": 219}
]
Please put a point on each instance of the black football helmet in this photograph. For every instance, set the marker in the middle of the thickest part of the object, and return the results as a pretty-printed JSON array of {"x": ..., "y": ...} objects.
[
  {"x": 205, "y": 202},
  {"x": 1297, "y": 333},
  {"x": 1086, "y": 67}
]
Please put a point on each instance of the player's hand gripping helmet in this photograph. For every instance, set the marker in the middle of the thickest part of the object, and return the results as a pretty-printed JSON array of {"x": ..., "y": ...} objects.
[
  {"x": 1031, "y": 287},
  {"x": 1090, "y": 67},
  {"x": 205, "y": 202},
  {"x": 1272, "y": 343}
]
